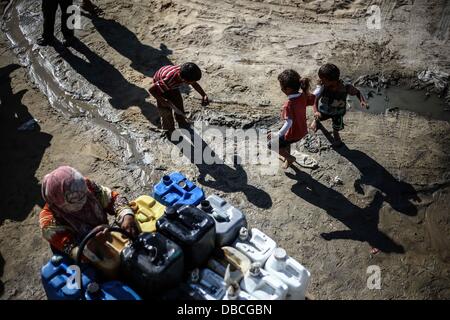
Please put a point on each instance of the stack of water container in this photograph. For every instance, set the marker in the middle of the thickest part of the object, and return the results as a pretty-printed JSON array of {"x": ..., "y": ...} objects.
[{"x": 190, "y": 248}]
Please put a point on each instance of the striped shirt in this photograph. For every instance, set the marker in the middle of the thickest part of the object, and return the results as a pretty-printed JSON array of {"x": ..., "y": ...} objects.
[{"x": 167, "y": 78}]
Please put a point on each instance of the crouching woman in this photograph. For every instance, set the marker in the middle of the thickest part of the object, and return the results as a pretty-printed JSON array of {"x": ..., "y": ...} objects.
[{"x": 75, "y": 205}]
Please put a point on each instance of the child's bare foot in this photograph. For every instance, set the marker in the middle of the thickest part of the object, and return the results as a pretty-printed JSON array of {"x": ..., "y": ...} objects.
[
  {"x": 313, "y": 126},
  {"x": 288, "y": 162}
]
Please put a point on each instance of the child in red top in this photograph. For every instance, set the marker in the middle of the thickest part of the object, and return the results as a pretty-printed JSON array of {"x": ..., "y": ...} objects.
[
  {"x": 293, "y": 113},
  {"x": 165, "y": 89}
]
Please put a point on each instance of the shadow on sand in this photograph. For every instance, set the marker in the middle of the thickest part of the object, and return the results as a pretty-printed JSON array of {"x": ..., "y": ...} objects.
[
  {"x": 22, "y": 152},
  {"x": 224, "y": 178},
  {"x": 363, "y": 223}
]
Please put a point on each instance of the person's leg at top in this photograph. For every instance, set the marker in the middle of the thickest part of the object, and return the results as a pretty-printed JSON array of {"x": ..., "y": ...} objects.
[{"x": 49, "y": 8}]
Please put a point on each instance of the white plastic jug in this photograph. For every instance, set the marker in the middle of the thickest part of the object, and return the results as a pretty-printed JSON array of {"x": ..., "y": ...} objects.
[
  {"x": 262, "y": 285},
  {"x": 207, "y": 284},
  {"x": 235, "y": 293},
  {"x": 255, "y": 244},
  {"x": 229, "y": 220},
  {"x": 292, "y": 273}
]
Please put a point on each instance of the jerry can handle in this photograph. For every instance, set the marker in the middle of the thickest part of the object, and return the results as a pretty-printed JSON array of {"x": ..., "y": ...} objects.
[
  {"x": 92, "y": 234},
  {"x": 88, "y": 237}
]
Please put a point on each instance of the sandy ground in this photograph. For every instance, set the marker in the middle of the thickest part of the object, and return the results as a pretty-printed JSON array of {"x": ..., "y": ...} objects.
[{"x": 394, "y": 167}]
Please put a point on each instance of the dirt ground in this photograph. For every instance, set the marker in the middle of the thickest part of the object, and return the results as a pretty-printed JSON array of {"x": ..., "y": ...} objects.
[{"x": 95, "y": 114}]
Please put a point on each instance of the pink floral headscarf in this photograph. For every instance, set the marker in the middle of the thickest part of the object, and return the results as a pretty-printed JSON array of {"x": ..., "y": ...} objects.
[{"x": 66, "y": 192}]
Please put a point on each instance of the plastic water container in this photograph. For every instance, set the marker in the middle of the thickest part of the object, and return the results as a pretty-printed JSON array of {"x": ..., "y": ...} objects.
[
  {"x": 262, "y": 285},
  {"x": 176, "y": 189},
  {"x": 147, "y": 211},
  {"x": 229, "y": 220},
  {"x": 104, "y": 254},
  {"x": 153, "y": 263},
  {"x": 57, "y": 279},
  {"x": 206, "y": 285},
  {"x": 292, "y": 273},
  {"x": 239, "y": 263},
  {"x": 193, "y": 230},
  {"x": 255, "y": 244},
  {"x": 113, "y": 290},
  {"x": 235, "y": 293}
]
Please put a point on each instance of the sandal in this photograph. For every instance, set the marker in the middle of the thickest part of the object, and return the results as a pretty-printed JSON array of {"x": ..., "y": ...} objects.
[{"x": 305, "y": 160}]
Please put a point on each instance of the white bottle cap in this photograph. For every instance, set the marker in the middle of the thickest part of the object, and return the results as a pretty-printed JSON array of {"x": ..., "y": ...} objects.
[{"x": 280, "y": 254}]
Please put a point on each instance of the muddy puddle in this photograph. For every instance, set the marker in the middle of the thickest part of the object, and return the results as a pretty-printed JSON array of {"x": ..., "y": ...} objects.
[{"x": 420, "y": 102}]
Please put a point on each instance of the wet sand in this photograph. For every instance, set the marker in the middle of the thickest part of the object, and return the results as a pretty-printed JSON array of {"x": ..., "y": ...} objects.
[{"x": 96, "y": 115}]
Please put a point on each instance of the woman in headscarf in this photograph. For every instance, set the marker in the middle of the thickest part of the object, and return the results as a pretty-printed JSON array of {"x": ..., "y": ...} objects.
[{"x": 75, "y": 205}]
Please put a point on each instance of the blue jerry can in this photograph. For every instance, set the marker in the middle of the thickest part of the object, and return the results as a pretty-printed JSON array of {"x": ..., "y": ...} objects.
[
  {"x": 60, "y": 282},
  {"x": 112, "y": 290},
  {"x": 176, "y": 189}
]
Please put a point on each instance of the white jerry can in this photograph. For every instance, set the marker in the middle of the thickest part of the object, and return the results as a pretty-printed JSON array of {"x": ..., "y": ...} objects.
[
  {"x": 291, "y": 272},
  {"x": 207, "y": 284},
  {"x": 262, "y": 285},
  {"x": 255, "y": 244},
  {"x": 229, "y": 220}
]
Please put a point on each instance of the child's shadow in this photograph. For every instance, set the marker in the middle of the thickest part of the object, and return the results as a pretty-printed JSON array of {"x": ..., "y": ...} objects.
[
  {"x": 363, "y": 223},
  {"x": 108, "y": 79},
  {"x": 225, "y": 178},
  {"x": 398, "y": 194}
]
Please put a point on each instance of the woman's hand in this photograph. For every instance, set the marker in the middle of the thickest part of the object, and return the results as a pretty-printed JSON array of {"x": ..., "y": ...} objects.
[{"x": 129, "y": 225}]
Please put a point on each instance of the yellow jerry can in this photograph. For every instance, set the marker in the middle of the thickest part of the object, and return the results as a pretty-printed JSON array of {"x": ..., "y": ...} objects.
[
  {"x": 147, "y": 211},
  {"x": 104, "y": 253}
]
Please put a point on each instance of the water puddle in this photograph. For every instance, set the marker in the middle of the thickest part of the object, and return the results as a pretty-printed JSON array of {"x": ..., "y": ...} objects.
[{"x": 417, "y": 101}]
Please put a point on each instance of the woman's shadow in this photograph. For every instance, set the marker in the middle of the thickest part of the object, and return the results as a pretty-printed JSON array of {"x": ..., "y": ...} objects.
[
  {"x": 22, "y": 152},
  {"x": 224, "y": 177},
  {"x": 144, "y": 59},
  {"x": 363, "y": 223},
  {"x": 108, "y": 79}
]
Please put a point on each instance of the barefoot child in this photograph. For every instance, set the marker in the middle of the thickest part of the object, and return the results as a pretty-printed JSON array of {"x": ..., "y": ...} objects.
[
  {"x": 293, "y": 114},
  {"x": 331, "y": 100},
  {"x": 166, "y": 82}
]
